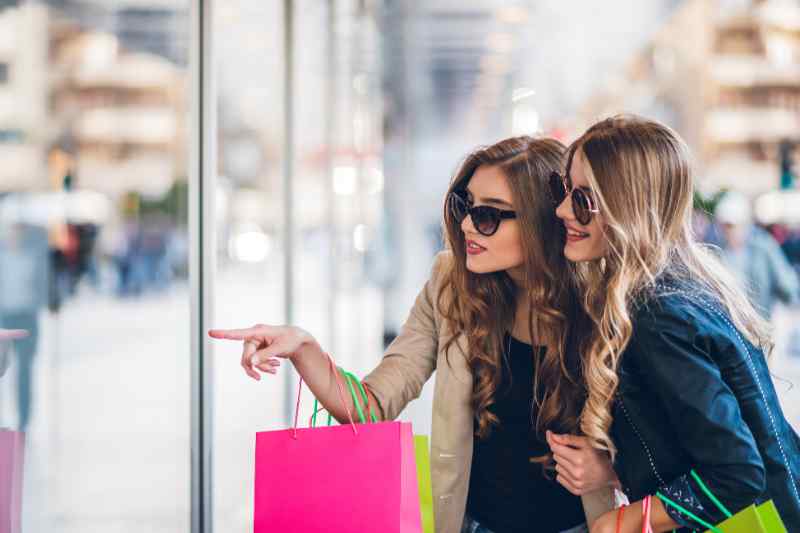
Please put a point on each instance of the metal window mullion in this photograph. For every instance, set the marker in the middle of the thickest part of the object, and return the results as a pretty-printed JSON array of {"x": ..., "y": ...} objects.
[
  {"x": 331, "y": 141},
  {"x": 202, "y": 183},
  {"x": 288, "y": 184}
]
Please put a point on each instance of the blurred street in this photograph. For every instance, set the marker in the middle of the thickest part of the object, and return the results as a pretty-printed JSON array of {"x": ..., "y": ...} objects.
[{"x": 109, "y": 437}]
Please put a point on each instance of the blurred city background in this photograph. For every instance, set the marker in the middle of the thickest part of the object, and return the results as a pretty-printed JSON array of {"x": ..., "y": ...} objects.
[{"x": 386, "y": 98}]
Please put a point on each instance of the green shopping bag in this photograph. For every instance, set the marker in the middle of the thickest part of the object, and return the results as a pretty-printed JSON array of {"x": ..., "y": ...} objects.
[
  {"x": 424, "y": 478},
  {"x": 762, "y": 518},
  {"x": 754, "y": 519},
  {"x": 421, "y": 452}
]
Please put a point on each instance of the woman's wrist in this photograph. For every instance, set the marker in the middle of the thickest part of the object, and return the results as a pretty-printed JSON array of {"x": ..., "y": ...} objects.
[
  {"x": 308, "y": 345},
  {"x": 632, "y": 520}
]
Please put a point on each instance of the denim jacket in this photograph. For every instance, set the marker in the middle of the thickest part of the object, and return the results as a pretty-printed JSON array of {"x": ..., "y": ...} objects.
[{"x": 694, "y": 394}]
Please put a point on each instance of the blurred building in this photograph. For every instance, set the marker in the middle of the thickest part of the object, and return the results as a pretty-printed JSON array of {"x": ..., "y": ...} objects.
[
  {"x": 754, "y": 103},
  {"x": 23, "y": 77},
  {"x": 157, "y": 27},
  {"x": 121, "y": 114},
  {"x": 727, "y": 79}
]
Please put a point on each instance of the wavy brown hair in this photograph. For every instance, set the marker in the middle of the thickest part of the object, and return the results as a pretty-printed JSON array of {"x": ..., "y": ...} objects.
[
  {"x": 482, "y": 306},
  {"x": 640, "y": 174}
]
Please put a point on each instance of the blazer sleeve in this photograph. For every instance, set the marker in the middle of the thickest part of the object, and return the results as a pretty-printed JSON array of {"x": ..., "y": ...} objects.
[
  {"x": 410, "y": 359},
  {"x": 675, "y": 359}
]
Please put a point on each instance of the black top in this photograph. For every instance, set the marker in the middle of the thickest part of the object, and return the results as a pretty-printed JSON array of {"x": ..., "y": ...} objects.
[
  {"x": 695, "y": 394},
  {"x": 507, "y": 492}
]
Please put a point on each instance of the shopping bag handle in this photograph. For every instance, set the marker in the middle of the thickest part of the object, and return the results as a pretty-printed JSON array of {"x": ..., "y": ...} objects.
[
  {"x": 350, "y": 380},
  {"x": 312, "y": 422},
  {"x": 341, "y": 397},
  {"x": 710, "y": 496},
  {"x": 646, "y": 507}
]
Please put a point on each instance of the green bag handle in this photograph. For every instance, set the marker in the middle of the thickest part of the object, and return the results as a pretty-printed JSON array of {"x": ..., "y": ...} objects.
[
  {"x": 691, "y": 515},
  {"x": 688, "y": 513},
  {"x": 349, "y": 379},
  {"x": 317, "y": 409},
  {"x": 364, "y": 396},
  {"x": 711, "y": 497}
]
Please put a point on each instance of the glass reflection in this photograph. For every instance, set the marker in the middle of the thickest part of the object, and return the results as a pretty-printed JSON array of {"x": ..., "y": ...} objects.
[{"x": 93, "y": 266}]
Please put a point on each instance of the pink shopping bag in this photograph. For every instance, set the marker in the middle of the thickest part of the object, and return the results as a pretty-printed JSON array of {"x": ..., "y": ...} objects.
[
  {"x": 12, "y": 444},
  {"x": 337, "y": 479}
]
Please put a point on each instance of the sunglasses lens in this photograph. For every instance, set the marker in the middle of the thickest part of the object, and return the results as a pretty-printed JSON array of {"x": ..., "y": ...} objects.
[
  {"x": 557, "y": 190},
  {"x": 581, "y": 207},
  {"x": 485, "y": 220}
]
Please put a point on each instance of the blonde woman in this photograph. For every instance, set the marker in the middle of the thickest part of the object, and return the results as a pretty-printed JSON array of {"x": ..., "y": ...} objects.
[
  {"x": 489, "y": 321},
  {"x": 677, "y": 384}
]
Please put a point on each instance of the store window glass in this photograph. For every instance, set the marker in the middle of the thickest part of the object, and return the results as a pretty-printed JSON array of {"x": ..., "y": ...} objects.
[{"x": 93, "y": 264}]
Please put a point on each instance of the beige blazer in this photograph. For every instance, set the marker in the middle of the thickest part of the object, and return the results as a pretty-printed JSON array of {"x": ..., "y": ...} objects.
[{"x": 407, "y": 364}]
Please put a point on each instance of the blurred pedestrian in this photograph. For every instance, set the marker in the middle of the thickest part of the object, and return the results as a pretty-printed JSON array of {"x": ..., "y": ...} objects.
[
  {"x": 23, "y": 293},
  {"x": 754, "y": 256},
  {"x": 6, "y": 338}
]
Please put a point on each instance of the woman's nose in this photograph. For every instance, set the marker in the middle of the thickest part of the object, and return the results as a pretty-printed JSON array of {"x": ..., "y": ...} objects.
[
  {"x": 564, "y": 209},
  {"x": 466, "y": 225}
]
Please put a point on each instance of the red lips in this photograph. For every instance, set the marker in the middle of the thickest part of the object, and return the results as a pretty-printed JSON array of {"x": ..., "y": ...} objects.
[{"x": 473, "y": 248}]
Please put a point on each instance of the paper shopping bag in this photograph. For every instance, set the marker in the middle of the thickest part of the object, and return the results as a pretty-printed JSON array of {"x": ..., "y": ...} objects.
[
  {"x": 424, "y": 477},
  {"x": 334, "y": 479},
  {"x": 763, "y": 518},
  {"x": 12, "y": 444}
]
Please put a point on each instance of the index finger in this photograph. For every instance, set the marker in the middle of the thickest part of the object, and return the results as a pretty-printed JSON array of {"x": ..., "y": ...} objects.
[
  {"x": 235, "y": 334},
  {"x": 12, "y": 334}
]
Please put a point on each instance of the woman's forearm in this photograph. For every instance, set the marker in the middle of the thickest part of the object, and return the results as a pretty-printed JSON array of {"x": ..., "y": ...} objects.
[
  {"x": 630, "y": 519},
  {"x": 659, "y": 519},
  {"x": 317, "y": 370}
]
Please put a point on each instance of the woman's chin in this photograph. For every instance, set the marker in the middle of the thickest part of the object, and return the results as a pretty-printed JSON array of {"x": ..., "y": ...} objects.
[
  {"x": 477, "y": 266},
  {"x": 486, "y": 264},
  {"x": 575, "y": 254}
]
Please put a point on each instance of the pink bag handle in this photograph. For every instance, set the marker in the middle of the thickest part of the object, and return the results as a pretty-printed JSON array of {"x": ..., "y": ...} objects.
[
  {"x": 341, "y": 397},
  {"x": 647, "y": 504}
]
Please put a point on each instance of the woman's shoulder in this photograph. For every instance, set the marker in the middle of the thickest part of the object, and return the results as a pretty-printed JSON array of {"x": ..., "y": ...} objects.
[
  {"x": 680, "y": 307},
  {"x": 440, "y": 271},
  {"x": 442, "y": 263},
  {"x": 440, "y": 268}
]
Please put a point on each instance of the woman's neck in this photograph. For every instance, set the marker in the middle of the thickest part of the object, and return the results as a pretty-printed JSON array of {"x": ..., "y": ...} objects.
[
  {"x": 517, "y": 275},
  {"x": 521, "y": 330}
]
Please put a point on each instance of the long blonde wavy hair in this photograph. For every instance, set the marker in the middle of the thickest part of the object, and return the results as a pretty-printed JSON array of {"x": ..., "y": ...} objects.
[
  {"x": 640, "y": 175},
  {"x": 482, "y": 306}
]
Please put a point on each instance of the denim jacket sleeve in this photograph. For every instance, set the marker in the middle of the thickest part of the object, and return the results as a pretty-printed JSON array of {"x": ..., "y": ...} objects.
[{"x": 678, "y": 364}]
